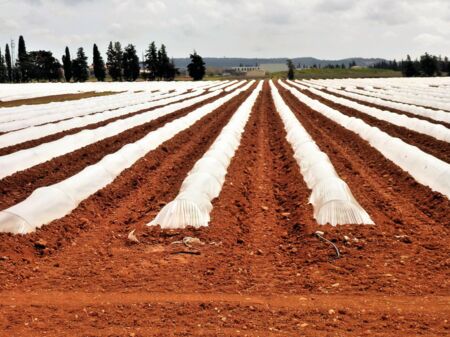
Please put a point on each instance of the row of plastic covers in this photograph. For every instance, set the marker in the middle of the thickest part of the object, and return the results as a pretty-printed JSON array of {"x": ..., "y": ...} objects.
[
  {"x": 36, "y": 132},
  {"x": 332, "y": 200},
  {"x": 94, "y": 107},
  {"x": 437, "y": 115},
  {"x": 437, "y": 131},
  {"x": 424, "y": 168},
  {"x": 192, "y": 206},
  {"x": 15, "y": 91},
  {"x": 434, "y": 87},
  {"x": 52, "y": 202},
  {"x": 23, "y": 159},
  {"x": 433, "y": 96}
]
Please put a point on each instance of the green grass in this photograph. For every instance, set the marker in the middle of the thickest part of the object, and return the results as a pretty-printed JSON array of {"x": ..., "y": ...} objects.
[
  {"x": 340, "y": 73},
  {"x": 54, "y": 98}
]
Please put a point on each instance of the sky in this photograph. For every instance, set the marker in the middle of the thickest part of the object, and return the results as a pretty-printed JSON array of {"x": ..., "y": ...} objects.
[{"x": 327, "y": 29}]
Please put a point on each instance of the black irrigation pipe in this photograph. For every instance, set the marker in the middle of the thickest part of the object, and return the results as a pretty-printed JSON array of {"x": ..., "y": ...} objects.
[{"x": 336, "y": 249}]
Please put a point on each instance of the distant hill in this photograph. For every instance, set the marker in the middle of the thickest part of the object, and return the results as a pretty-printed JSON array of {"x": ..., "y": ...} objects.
[{"x": 227, "y": 62}]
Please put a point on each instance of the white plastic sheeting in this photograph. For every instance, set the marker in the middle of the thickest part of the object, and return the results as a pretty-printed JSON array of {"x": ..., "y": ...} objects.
[
  {"x": 424, "y": 168},
  {"x": 332, "y": 200},
  {"x": 9, "y": 92},
  {"x": 48, "y": 203},
  {"x": 94, "y": 108},
  {"x": 23, "y": 159},
  {"x": 192, "y": 206},
  {"x": 36, "y": 132},
  {"x": 437, "y": 131}
]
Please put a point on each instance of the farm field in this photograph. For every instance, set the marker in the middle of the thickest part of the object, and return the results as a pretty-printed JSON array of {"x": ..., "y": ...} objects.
[{"x": 317, "y": 208}]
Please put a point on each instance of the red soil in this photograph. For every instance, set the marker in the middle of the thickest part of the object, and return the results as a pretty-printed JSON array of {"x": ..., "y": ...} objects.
[{"x": 260, "y": 271}]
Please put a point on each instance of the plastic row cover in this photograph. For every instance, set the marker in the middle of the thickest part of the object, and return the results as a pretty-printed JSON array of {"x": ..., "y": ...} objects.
[
  {"x": 332, "y": 200},
  {"x": 192, "y": 205},
  {"x": 127, "y": 87},
  {"x": 424, "y": 168},
  {"x": 440, "y": 116},
  {"x": 95, "y": 108},
  {"x": 36, "y": 132},
  {"x": 23, "y": 159},
  {"x": 437, "y": 131},
  {"x": 62, "y": 110},
  {"x": 46, "y": 204},
  {"x": 234, "y": 86}
]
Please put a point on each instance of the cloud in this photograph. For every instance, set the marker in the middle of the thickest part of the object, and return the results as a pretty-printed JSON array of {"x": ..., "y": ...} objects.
[{"x": 255, "y": 28}]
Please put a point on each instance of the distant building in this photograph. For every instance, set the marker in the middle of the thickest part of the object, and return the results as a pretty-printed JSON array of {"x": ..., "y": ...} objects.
[
  {"x": 244, "y": 69},
  {"x": 273, "y": 67}
]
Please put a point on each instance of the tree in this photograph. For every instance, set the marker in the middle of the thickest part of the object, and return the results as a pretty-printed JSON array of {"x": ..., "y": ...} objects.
[
  {"x": 196, "y": 68},
  {"x": 80, "y": 67},
  {"x": 408, "y": 68},
  {"x": 43, "y": 66},
  {"x": 99, "y": 65},
  {"x": 291, "y": 70},
  {"x": 130, "y": 63},
  {"x": 114, "y": 61},
  {"x": 23, "y": 62},
  {"x": 3, "y": 71},
  {"x": 151, "y": 62},
  {"x": 67, "y": 65},
  {"x": 8, "y": 63},
  {"x": 163, "y": 63},
  {"x": 428, "y": 65}
]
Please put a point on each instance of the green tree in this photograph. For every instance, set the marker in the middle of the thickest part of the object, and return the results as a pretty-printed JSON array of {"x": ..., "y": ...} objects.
[
  {"x": 67, "y": 65},
  {"x": 3, "y": 71},
  {"x": 197, "y": 67},
  {"x": 23, "y": 62},
  {"x": 8, "y": 63},
  {"x": 130, "y": 63},
  {"x": 151, "y": 62},
  {"x": 99, "y": 65},
  {"x": 80, "y": 68},
  {"x": 408, "y": 68},
  {"x": 428, "y": 65},
  {"x": 114, "y": 61},
  {"x": 163, "y": 63},
  {"x": 291, "y": 69},
  {"x": 43, "y": 66}
]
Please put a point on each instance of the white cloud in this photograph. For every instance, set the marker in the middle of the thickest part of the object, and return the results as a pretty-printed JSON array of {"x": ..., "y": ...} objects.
[{"x": 254, "y": 28}]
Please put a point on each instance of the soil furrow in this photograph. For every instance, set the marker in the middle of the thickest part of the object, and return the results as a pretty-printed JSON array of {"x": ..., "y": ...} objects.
[
  {"x": 20, "y": 185},
  {"x": 437, "y": 148},
  {"x": 409, "y": 217},
  {"x": 131, "y": 200}
]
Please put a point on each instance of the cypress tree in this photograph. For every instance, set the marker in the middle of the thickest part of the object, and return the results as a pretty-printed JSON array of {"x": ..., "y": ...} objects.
[
  {"x": 23, "y": 60},
  {"x": 80, "y": 68},
  {"x": 163, "y": 63},
  {"x": 408, "y": 68},
  {"x": 130, "y": 63},
  {"x": 428, "y": 64},
  {"x": 114, "y": 61},
  {"x": 8, "y": 63},
  {"x": 196, "y": 68},
  {"x": 67, "y": 65},
  {"x": 291, "y": 69},
  {"x": 3, "y": 72},
  {"x": 99, "y": 65},
  {"x": 151, "y": 62}
]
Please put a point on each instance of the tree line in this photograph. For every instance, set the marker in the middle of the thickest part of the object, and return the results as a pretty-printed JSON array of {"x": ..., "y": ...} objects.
[
  {"x": 425, "y": 65},
  {"x": 122, "y": 64}
]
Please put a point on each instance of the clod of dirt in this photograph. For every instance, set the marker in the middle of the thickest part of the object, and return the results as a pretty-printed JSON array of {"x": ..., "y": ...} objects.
[
  {"x": 264, "y": 208},
  {"x": 40, "y": 244},
  {"x": 132, "y": 237}
]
